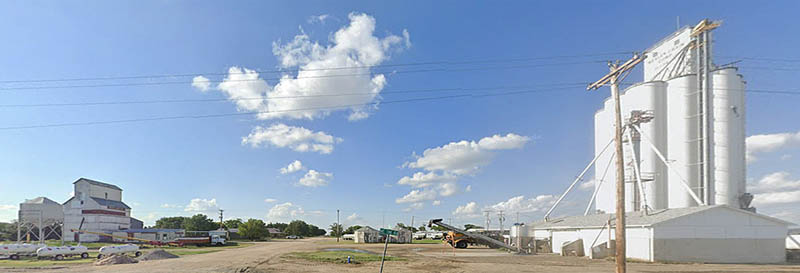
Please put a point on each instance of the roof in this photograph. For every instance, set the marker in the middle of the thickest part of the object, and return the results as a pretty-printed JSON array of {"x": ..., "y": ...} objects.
[
  {"x": 110, "y": 203},
  {"x": 367, "y": 229},
  {"x": 274, "y": 230},
  {"x": 635, "y": 219},
  {"x": 151, "y": 230},
  {"x": 97, "y": 183},
  {"x": 40, "y": 200}
]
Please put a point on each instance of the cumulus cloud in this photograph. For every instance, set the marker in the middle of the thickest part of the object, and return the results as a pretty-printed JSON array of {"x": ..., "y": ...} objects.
[
  {"x": 293, "y": 167},
  {"x": 775, "y": 188},
  {"x": 354, "y": 217},
  {"x": 170, "y": 206},
  {"x": 769, "y": 143},
  {"x": 296, "y": 138},
  {"x": 327, "y": 75},
  {"x": 436, "y": 202},
  {"x": 470, "y": 210},
  {"x": 466, "y": 157},
  {"x": 318, "y": 19},
  {"x": 315, "y": 179},
  {"x": 444, "y": 165},
  {"x": 201, "y": 205},
  {"x": 416, "y": 196},
  {"x": 201, "y": 83},
  {"x": 587, "y": 185},
  {"x": 521, "y": 204},
  {"x": 270, "y": 200},
  {"x": 285, "y": 211}
]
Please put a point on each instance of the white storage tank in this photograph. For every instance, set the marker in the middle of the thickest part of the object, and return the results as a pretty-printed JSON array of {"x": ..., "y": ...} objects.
[
  {"x": 728, "y": 94},
  {"x": 59, "y": 252},
  {"x": 119, "y": 249},
  {"x": 683, "y": 142}
]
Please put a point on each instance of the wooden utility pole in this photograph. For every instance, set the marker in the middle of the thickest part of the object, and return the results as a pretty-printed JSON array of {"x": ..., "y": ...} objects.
[
  {"x": 617, "y": 73},
  {"x": 338, "y": 227}
]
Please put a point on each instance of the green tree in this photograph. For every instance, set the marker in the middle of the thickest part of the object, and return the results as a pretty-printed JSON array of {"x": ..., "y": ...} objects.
[
  {"x": 315, "y": 231},
  {"x": 8, "y": 231},
  {"x": 234, "y": 223},
  {"x": 170, "y": 222},
  {"x": 279, "y": 226},
  {"x": 336, "y": 230},
  {"x": 421, "y": 228},
  {"x": 352, "y": 229},
  {"x": 296, "y": 227},
  {"x": 471, "y": 226},
  {"x": 253, "y": 229},
  {"x": 199, "y": 222}
]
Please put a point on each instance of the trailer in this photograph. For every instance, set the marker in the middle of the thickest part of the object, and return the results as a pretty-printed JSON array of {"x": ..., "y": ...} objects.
[
  {"x": 212, "y": 240},
  {"x": 14, "y": 251},
  {"x": 119, "y": 249},
  {"x": 59, "y": 252}
]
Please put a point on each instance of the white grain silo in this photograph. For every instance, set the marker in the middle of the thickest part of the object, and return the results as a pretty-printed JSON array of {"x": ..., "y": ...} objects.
[
  {"x": 683, "y": 144},
  {"x": 729, "y": 153},
  {"x": 40, "y": 218}
]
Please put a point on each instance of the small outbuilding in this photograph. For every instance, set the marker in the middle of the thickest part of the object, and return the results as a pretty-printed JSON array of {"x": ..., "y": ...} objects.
[
  {"x": 712, "y": 234},
  {"x": 367, "y": 235},
  {"x": 403, "y": 236},
  {"x": 151, "y": 234}
]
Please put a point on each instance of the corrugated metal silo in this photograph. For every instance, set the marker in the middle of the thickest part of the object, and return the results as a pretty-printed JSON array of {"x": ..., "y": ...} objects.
[
  {"x": 683, "y": 143},
  {"x": 728, "y": 128}
]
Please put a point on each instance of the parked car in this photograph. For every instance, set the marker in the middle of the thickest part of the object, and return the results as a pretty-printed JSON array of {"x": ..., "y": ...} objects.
[{"x": 294, "y": 237}]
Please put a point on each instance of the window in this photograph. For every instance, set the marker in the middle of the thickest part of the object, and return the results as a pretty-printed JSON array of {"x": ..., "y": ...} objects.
[{"x": 106, "y": 195}]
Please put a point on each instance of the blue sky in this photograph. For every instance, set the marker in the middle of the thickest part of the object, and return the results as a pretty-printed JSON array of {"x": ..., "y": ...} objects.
[{"x": 163, "y": 165}]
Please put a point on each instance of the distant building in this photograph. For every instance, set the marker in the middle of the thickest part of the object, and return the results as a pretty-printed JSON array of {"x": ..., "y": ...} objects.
[
  {"x": 274, "y": 232},
  {"x": 136, "y": 223},
  {"x": 367, "y": 235},
  {"x": 99, "y": 205},
  {"x": 151, "y": 234}
]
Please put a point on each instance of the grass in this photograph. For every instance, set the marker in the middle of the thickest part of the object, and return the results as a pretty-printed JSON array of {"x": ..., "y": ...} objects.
[
  {"x": 333, "y": 242},
  {"x": 339, "y": 257},
  {"x": 34, "y": 262}
]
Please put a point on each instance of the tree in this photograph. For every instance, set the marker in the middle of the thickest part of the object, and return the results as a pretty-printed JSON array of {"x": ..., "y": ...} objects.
[
  {"x": 234, "y": 223},
  {"x": 297, "y": 227},
  {"x": 352, "y": 229},
  {"x": 8, "y": 231},
  {"x": 199, "y": 222},
  {"x": 336, "y": 230},
  {"x": 471, "y": 226},
  {"x": 171, "y": 222},
  {"x": 315, "y": 231},
  {"x": 279, "y": 226},
  {"x": 421, "y": 228},
  {"x": 253, "y": 229}
]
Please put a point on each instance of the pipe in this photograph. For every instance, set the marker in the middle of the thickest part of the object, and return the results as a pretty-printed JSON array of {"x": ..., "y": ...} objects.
[
  {"x": 596, "y": 189},
  {"x": 637, "y": 172}
]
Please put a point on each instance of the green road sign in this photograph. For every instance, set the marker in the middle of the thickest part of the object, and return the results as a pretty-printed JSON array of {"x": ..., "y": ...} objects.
[{"x": 385, "y": 231}]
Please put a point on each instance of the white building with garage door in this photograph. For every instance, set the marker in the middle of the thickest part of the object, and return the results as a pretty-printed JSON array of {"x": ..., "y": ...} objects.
[{"x": 712, "y": 234}]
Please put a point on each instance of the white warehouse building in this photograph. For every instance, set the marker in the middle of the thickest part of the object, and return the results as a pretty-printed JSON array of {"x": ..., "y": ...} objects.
[
  {"x": 99, "y": 205},
  {"x": 684, "y": 164}
]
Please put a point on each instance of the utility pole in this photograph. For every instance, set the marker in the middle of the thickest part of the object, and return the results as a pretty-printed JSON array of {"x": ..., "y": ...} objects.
[
  {"x": 616, "y": 75},
  {"x": 412, "y": 221},
  {"x": 501, "y": 218},
  {"x": 338, "y": 227},
  {"x": 487, "y": 220},
  {"x": 221, "y": 225}
]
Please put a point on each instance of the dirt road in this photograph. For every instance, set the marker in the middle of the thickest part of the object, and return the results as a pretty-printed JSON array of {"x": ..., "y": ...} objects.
[{"x": 267, "y": 257}]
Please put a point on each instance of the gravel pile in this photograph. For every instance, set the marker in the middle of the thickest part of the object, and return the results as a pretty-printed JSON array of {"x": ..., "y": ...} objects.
[
  {"x": 158, "y": 254},
  {"x": 116, "y": 259}
]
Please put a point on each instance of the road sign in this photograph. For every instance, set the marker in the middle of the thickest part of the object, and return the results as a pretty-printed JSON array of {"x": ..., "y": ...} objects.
[{"x": 385, "y": 231}]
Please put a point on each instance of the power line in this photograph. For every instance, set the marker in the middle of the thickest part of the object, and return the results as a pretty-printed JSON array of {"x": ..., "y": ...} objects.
[
  {"x": 441, "y": 62},
  {"x": 295, "y": 78},
  {"x": 243, "y": 113},
  {"x": 408, "y": 91}
]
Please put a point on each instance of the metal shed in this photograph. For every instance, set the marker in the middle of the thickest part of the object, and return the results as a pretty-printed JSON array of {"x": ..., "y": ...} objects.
[
  {"x": 715, "y": 234},
  {"x": 367, "y": 235}
]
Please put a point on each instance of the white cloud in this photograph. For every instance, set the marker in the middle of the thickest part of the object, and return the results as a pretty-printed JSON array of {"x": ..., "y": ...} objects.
[
  {"x": 587, "y": 185},
  {"x": 520, "y": 204},
  {"x": 420, "y": 179},
  {"x": 296, "y": 138},
  {"x": 416, "y": 196},
  {"x": 466, "y": 157},
  {"x": 285, "y": 211},
  {"x": 318, "y": 19},
  {"x": 468, "y": 188},
  {"x": 8, "y": 207},
  {"x": 447, "y": 163},
  {"x": 417, "y": 206},
  {"x": 270, "y": 200},
  {"x": 470, "y": 210},
  {"x": 354, "y": 217},
  {"x": 170, "y": 206},
  {"x": 201, "y": 205},
  {"x": 770, "y": 142},
  {"x": 775, "y": 188},
  {"x": 201, "y": 83},
  {"x": 436, "y": 202},
  {"x": 315, "y": 179},
  {"x": 326, "y": 78},
  {"x": 293, "y": 167}
]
